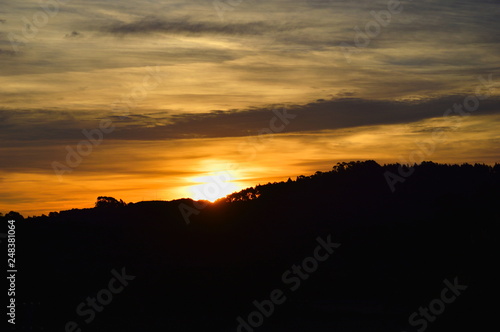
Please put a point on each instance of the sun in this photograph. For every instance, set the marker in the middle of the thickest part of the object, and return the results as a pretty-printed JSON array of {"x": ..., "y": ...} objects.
[
  {"x": 213, "y": 186},
  {"x": 214, "y": 183}
]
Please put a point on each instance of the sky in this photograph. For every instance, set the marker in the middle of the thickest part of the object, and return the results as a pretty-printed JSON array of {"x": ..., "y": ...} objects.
[{"x": 145, "y": 100}]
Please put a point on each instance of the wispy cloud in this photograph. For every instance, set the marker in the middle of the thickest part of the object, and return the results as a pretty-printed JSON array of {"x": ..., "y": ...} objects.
[
  {"x": 186, "y": 26},
  {"x": 74, "y": 34}
]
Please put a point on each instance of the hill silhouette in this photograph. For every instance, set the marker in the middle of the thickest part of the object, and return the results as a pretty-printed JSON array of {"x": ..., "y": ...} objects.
[{"x": 395, "y": 249}]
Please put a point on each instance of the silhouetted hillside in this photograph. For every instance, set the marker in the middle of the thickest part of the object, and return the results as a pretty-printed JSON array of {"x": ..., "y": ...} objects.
[{"x": 397, "y": 246}]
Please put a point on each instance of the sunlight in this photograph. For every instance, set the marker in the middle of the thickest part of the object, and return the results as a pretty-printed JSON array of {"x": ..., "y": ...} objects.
[
  {"x": 216, "y": 182},
  {"x": 213, "y": 186}
]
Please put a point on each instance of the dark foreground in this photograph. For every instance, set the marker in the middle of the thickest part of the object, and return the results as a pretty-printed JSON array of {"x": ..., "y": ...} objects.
[{"x": 366, "y": 259}]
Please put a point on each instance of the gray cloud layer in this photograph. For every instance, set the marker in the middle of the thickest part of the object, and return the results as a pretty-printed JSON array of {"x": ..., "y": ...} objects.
[{"x": 24, "y": 126}]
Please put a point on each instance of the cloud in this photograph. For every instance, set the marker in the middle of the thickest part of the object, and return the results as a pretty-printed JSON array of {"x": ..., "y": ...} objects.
[
  {"x": 186, "y": 26},
  {"x": 7, "y": 52},
  {"x": 74, "y": 34},
  {"x": 320, "y": 115}
]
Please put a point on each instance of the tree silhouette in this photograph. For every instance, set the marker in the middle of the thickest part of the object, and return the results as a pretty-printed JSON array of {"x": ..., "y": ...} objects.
[
  {"x": 12, "y": 215},
  {"x": 108, "y": 202}
]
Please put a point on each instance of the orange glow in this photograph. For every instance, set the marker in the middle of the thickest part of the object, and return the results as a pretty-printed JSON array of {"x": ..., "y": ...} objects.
[
  {"x": 213, "y": 168},
  {"x": 217, "y": 180},
  {"x": 212, "y": 187}
]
